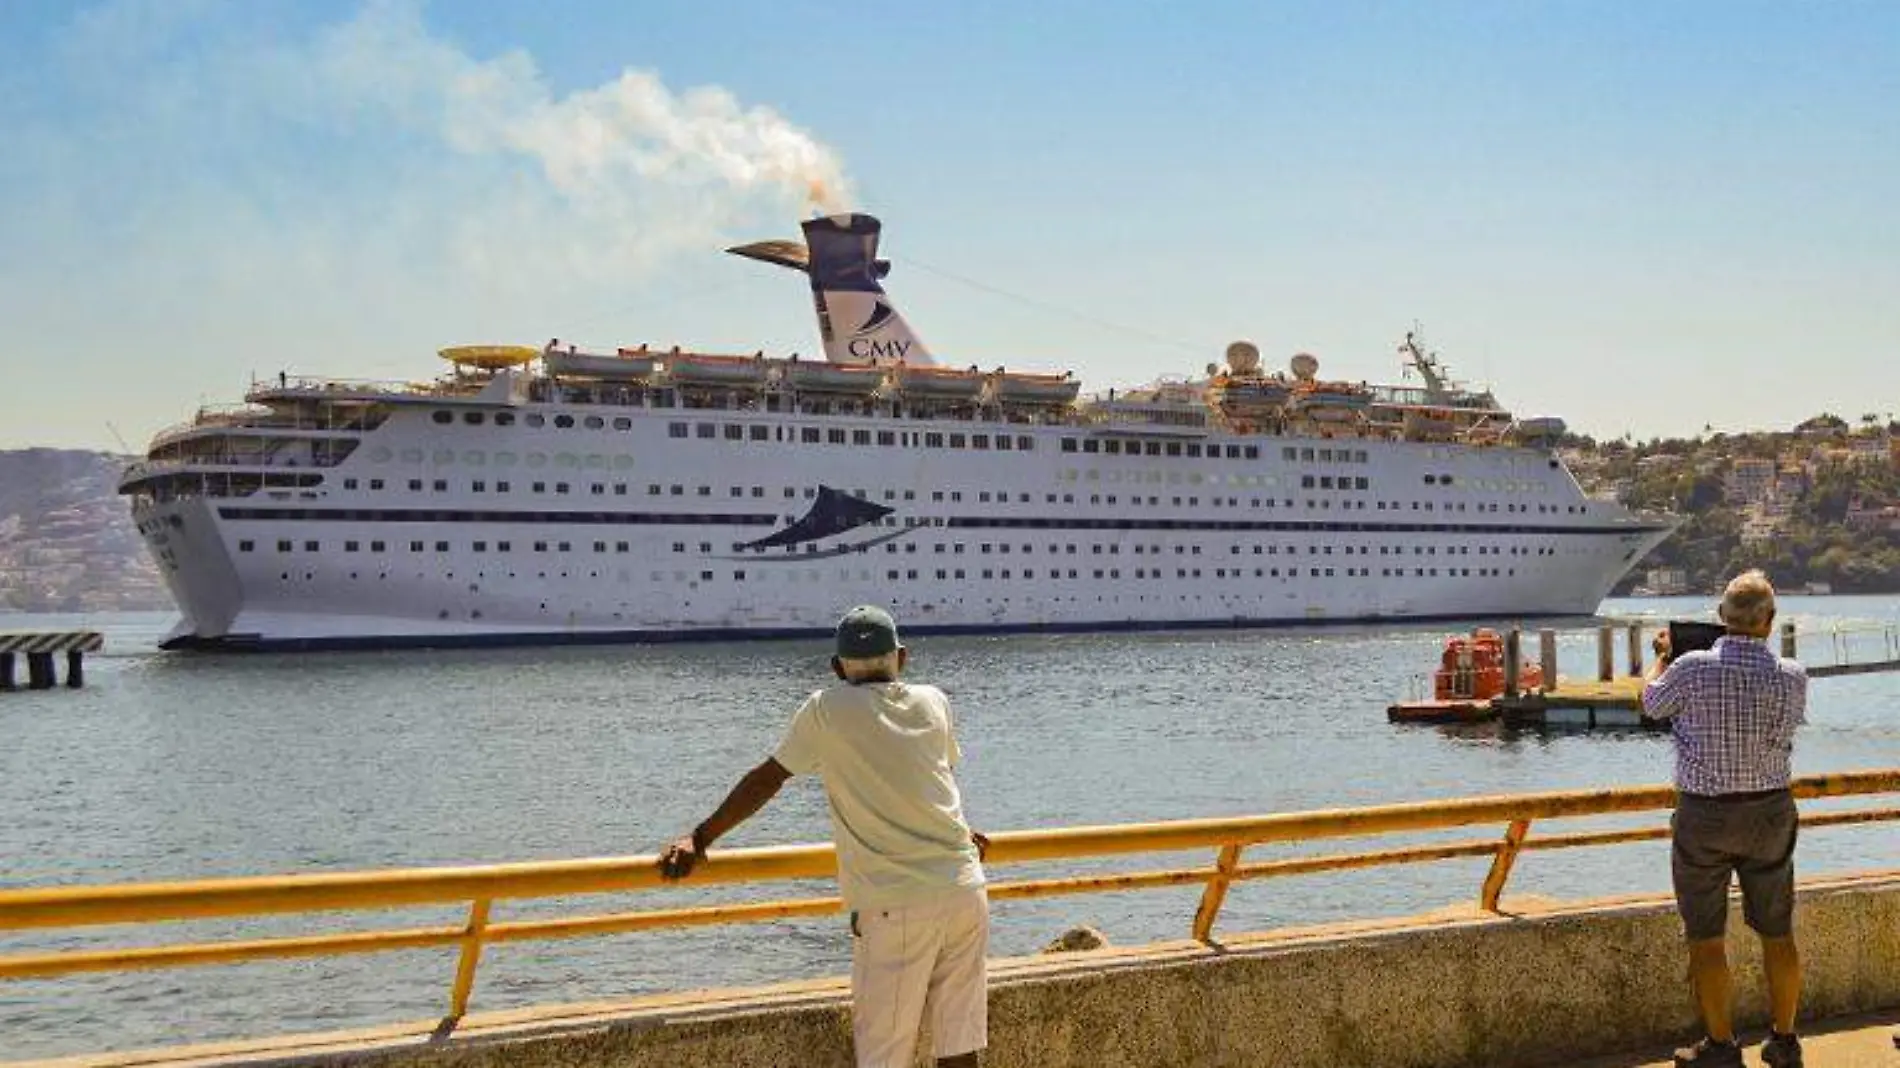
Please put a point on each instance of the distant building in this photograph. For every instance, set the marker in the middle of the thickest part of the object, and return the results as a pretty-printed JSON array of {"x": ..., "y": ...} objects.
[
  {"x": 1861, "y": 517},
  {"x": 1750, "y": 479},
  {"x": 1875, "y": 448},
  {"x": 1761, "y": 524},
  {"x": 1667, "y": 581}
]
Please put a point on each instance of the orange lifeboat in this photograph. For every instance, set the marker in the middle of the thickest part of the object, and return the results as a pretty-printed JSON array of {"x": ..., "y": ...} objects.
[{"x": 1472, "y": 669}]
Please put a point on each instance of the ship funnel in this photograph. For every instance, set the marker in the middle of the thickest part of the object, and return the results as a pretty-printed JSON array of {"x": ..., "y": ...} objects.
[{"x": 855, "y": 316}]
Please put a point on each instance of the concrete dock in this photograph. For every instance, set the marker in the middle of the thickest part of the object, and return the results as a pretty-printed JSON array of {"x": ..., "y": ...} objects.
[{"x": 1853, "y": 1042}]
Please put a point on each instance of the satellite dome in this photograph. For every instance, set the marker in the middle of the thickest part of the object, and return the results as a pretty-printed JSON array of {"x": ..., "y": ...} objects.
[
  {"x": 1243, "y": 358},
  {"x": 1305, "y": 366}
]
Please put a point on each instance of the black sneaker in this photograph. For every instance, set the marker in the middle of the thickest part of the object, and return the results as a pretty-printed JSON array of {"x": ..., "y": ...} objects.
[
  {"x": 1709, "y": 1053},
  {"x": 1781, "y": 1051}
]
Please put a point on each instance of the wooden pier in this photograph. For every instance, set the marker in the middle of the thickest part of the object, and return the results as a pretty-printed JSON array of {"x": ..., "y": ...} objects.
[
  {"x": 39, "y": 648},
  {"x": 1609, "y": 700}
]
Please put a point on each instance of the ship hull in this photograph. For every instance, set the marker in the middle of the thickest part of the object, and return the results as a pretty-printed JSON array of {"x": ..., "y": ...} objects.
[
  {"x": 711, "y": 526},
  {"x": 282, "y": 641}
]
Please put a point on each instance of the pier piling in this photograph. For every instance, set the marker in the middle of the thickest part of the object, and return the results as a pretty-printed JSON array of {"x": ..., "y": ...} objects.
[
  {"x": 1787, "y": 640},
  {"x": 39, "y": 648},
  {"x": 1636, "y": 650},
  {"x": 1547, "y": 656},
  {"x": 1606, "y": 654},
  {"x": 39, "y": 671},
  {"x": 1513, "y": 661}
]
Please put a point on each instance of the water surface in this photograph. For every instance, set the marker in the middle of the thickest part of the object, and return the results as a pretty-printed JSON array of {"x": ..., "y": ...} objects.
[{"x": 189, "y": 766}]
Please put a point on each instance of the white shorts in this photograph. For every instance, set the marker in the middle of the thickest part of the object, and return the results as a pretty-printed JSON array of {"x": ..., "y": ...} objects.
[{"x": 915, "y": 960}]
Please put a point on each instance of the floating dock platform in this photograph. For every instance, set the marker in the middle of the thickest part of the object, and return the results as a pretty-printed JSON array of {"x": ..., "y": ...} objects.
[
  {"x": 1570, "y": 703},
  {"x": 1609, "y": 701},
  {"x": 39, "y": 647},
  {"x": 1587, "y": 704}
]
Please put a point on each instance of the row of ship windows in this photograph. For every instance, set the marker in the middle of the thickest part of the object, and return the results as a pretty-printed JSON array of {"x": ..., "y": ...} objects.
[
  {"x": 1055, "y": 574},
  {"x": 655, "y": 489},
  {"x": 737, "y": 432},
  {"x": 1097, "y": 549},
  {"x": 811, "y": 435},
  {"x": 936, "y": 440},
  {"x": 835, "y": 436},
  {"x": 598, "y": 461},
  {"x": 956, "y": 548},
  {"x": 931, "y": 439},
  {"x": 534, "y": 419},
  {"x": 1136, "y": 474}
]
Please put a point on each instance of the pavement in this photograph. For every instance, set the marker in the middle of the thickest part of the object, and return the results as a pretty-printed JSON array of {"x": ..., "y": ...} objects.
[{"x": 1850, "y": 1042}]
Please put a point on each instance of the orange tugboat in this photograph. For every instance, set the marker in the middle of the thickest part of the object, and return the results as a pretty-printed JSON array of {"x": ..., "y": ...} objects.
[
  {"x": 1470, "y": 676},
  {"x": 1472, "y": 669}
]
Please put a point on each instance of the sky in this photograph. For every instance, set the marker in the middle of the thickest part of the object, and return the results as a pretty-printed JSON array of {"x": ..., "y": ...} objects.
[{"x": 1644, "y": 218}]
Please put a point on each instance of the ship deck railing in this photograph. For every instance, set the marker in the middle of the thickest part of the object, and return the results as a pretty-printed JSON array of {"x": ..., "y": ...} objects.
[
  {"x": 1093, "y": 411},
  {"x": 309, "y": 387},
  {"x": 1216, "y": 858}
]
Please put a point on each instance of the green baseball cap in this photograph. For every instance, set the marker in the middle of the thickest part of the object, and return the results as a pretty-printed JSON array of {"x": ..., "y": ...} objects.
[{"x": 865, "y": 632}]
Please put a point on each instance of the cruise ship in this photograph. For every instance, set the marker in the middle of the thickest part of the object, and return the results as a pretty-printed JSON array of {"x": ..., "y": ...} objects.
[{"x": 552, "y": 494}]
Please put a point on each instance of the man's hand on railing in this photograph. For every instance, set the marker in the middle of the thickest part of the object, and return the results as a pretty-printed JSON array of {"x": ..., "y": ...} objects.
[
  {"x": 752, "y": 792},
  {"x": 680, "y": 856},
  {"x": 982, "y": 844}
]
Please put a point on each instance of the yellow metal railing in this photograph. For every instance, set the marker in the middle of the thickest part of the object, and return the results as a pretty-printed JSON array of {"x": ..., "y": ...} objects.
[{"x": 480, "y": 888}]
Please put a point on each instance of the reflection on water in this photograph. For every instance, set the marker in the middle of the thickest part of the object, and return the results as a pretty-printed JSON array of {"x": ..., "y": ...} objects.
[{"x": 181, "y": 766}]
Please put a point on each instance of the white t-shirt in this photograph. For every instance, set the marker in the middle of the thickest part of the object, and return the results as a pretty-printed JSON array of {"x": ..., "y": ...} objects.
[{"x": 885, "y": 751}]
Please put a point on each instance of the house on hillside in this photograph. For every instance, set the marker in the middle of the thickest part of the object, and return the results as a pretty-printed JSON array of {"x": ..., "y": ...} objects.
[
  {"x": 1762, "y": 524},
  {"x": 1791, "y": 482},
  {"x": 1874, "y": 448},
  {"x": 1861, "y": 516},
  {"x": 1750, "y": 479}
]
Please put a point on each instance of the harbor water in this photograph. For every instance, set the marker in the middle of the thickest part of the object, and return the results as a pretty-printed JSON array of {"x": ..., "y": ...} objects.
[{"x": 177, "y": 767}]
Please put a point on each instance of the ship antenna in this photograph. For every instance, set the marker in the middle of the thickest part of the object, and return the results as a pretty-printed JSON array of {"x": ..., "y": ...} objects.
[{"x": 126, "y": 449}]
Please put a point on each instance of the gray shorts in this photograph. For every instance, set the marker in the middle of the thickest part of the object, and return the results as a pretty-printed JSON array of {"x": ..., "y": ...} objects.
[{"x": 1747, "y": 836}]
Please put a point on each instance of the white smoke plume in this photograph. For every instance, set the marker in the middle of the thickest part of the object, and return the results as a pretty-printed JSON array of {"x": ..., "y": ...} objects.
[
  {"x": 595, "y": 146},
  {"x": 248, "y": 194}
]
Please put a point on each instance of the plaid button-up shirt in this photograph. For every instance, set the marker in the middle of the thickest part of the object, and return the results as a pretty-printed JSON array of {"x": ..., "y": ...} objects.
[{"x": 1733, "y": 710}]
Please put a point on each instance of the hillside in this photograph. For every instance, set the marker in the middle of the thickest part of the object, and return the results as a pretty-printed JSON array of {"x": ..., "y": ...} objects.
[
  {"x": 67, "y": 543},
  {"x": 1816, "y": 504}
]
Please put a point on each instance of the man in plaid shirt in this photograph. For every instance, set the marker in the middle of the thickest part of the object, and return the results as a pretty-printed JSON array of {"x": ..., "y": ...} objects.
[{"x": 1733, "y": 710}]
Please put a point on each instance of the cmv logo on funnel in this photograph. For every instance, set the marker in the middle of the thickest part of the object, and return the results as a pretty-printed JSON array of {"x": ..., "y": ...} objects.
[{"x": 864, "y": 347}]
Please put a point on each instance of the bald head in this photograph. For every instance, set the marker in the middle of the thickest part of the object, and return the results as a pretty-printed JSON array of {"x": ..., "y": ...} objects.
[{"x": 1748, "y": 605}]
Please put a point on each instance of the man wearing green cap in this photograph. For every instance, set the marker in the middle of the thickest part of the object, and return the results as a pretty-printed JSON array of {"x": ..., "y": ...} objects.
[{"x": 909, "y": 867}]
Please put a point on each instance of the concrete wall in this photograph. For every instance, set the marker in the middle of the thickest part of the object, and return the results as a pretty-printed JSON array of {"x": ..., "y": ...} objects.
[{"x": 1547, "y": 985}]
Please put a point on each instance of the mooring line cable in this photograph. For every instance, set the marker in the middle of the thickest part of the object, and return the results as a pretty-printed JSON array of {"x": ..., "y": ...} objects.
[{"x": 1058, "y": 309}]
